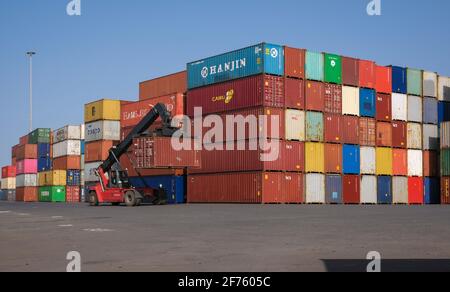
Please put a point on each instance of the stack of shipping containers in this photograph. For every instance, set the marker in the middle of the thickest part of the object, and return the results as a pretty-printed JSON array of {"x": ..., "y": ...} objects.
[
  {"x": 8, "y": 184},
  {"x": 445, "y": 162}
]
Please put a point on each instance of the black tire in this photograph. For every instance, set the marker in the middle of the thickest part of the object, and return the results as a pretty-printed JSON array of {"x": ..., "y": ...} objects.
[
  {"x": 130, "y": 199},
  {"x": 116, "y": 204},
  {"x": 138, "y": 202},
  {"x": 93, "y": 199}
]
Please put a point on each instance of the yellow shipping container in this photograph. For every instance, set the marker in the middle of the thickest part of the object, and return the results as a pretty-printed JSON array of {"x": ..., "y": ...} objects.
[
  {"x": 104, "y": 109},
  {"x": 56, "y": 178},
  {"x": 315, "y": 157},
  {"x": 384, "y": 161},
  {"x": 42, "y": 178}
]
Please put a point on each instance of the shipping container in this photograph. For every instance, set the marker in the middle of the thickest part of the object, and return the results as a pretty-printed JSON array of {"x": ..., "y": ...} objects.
[
  {"x": 399, "y": 80},
  {"x": 333, "y": 189},
  {"x": 8, "y": 171},
  {"x": 295, "y": 125},
  {"x": 445, "y": 162},
  {"x": 430, "y": 84},
  {"x": 294, "y": 62},
  {"x": 385, "y": 190},
  {"x": 259, "y": 59},
  {"x": 443, "y": 112},
  {"x": 14, "y": 150},
  {"x": 400, "y": 193},
  {"x": 314, "y": 158},
  {"x": 444, "y": 88},
  {"x": 314, "y": 66},
  {"x": 163, "y": 85},
  {"x": 415, "y": 163},
  {"x": 368, "y": 160},
  {"x": 367, "y": 103},
  {"x": 383, "y": 79},
  {"x": 38, "y": 136},
  {"x": 399, "y": 134},
  {"x": 315, "y": 189},
  {"x": 52, "y": 178},
  {"x": 384, "y": 107},
  {"x": 333, "y": 98},
  {"x": 333, "y": 158},
  {"x": 27, "y": 151},
  {"x": 350, "y": 101},
  {"x": 367, "y": 74},
  {"x": 445, "y": 135},
  {"x": 352, "y": 189},
  {"x": 44, "y": 164},
  {"x": 430, "y": 110},
  {"x": 67, "y": 148},
  {"x": 102, "y": 130},
  {"x": 27, "y": 194},
  {"x": 333, "y": 128},
  {"x": 367, "y": 132},
  {"x": 333, "y": 68},
  {"x": 26, "y": 180},
  {"x": 350, "y": 71},
  {"x": 73, "y": 194},
  {"x": 44, "y": 150},
  {"x": 174, "y": 186},
  {"x": 432, "y": 193},
  {"x": 384, "y": 161},
  {"x": 415, "y": 109},
  {"x": 314, "y": 127},
  {"x": 384, "y": 134},
  {"x": 430, "y": 137},
  {"x": 102, "y": 110},
  {"x": 294, "y": 93},
  {"x": 128, "y": 162},
  {"x": 315, "y": 96},
  {"x": 399, "y": 107},
  {"x": 67, "y": 133},
  {"x": 415, "y": 191},
  {"x": 414, "y": 82},
  {"x": 368, "y": 189},
  {"x": 414, "y": 136},
  {"x": 27, "y": 166},
  {"x": 351, "y": 159},
  {"x": 431, "y": 164},
  {"x": 67, "y": 162},
  {"x": 98, "y": 151},
  {"x": 52, "y": 194},
  {"x": 400, "y": 162},
  {"x": 8, "y": 183},
  {"x": 11, "y": 195},
  {"x": 350, "y": 134},
  {"x": 3, "y": 195},
  {"x": 89, "y": 171},
  {"x": 445, "y": 190}
]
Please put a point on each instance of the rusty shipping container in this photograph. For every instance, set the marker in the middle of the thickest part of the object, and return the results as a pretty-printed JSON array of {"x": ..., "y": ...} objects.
[
  {"x": 254, "y": 91},
  {"x": 163, "y": 86},
  {"x": 445, "y": 190},
  {"x": 333, "y": 98},
  {"x": 27, "y": 194},
  {"x": 431, "y": 166},
  {"x": 351, "y": 185},
  {"x": 315, "y": 96},
  {"x": 350, "y": 71},
  {"x": 27, "y": 151},
  {"x": 399, "y": 134},
  {"x": 367, "y": 74},
  {"x": 73, "y": 194},
  {"x": 367, "y": 132},
  {"x": 98, "y": 151},
  {"x": 294, "y": 93},
  {"x": 350, "y": 134},
  {"x": 333, "y": 158},
  {"x": 384, "y": 134},
  {"x": 333, "y": 128},
  {"x": 384, "y": 107},
  {"x": 67, "y": 162},
  {"x": 294, "y": 62}
]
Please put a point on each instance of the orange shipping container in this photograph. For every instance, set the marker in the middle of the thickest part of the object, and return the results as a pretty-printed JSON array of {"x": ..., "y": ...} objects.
[
  {"x": 67, "y": 162},
  {"x": 26, "y": 151},
  {"x": 384, "y": 134},
  {"x": 294, "y": 65},
  {"x": 27, "y": 194},
  {"x": 367, "y": 132},
  {"x": 431, "y": 164},
  {"x": 445, "y": 190},
  {"x": 98, "y": 151},
  {"x": 163, "y": 86},
  {"x": 333, "y": 158},
  {"x": 400, "y": 162},
  {"x": 128, "y": 162}
]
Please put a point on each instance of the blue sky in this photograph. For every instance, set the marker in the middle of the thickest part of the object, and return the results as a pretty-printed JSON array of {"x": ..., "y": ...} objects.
[{"x": 117, "y": 43}]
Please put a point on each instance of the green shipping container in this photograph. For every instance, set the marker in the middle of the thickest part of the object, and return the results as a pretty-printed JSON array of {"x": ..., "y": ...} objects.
[
  {"x": 333, "y": 69},
  {"x": 414, "y": 82},
  {"x": 314, "y": 66},
  {"x": 39, "y": 136},
  {"x": 314, "y": 127},
  {"x": 445, "y": 162},
  {"x": 52, "y": 194}
]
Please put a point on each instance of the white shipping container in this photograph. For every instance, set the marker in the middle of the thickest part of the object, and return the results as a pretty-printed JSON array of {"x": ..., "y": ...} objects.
[
  {"x": 368, "y": 160},
  {"x": 415, "y": 163},
  {"x": 8, "y": 183},
  {"x": 430, "y": 84},
  {"x": 295, "y": 125},
  {"x": 315, "y": 188},
  {"x": 67, "y": 148},
  {"x": 82, "y": 130},
  {"x": 89, "y": 171},
  {"x": 414, "y": 136},
  {"x": 399, "y": 107},
  {"x": 350, "y": 101},
  {"x": 26, "y": 180},
  {"x": 445, "y": 135},
  {"x": 102, "y": 130},
  {"x": 444, "y": 88},
  {"x": 400, "y": 190},
  {"x": 67, "y": 133},
  {"x": 415, "y": 109},
  {"x": 430, "y": 137},
  {"x": 369, "y": 189}
]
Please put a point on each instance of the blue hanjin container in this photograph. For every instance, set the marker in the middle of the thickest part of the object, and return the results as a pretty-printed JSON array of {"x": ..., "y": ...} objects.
[
  {"x": 399, "y": 80},
  {"x": 352, "y": 159},
  {"x": 432, "y": 191},
  {"x": 444, "y": 112},
  {"x": 384, "y": 190},
  {"x": 175, "y": 186},
  {"x": 73, "y": 178},
  {"x": 262, "y": 58},
  {"x": 44, "y": 164},
  {"x": 333, "y": 189},
  {"x": 367, "y": 103},
  {"x": 43, "y": 150}
]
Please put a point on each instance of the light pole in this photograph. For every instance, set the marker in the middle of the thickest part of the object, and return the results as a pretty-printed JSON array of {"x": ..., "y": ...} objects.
[{"x": 30, "y": 55}]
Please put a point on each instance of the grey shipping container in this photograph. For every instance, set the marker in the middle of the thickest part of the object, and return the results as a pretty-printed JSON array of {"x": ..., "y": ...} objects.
[
  {"x": 315, "y": 188},
  {"x": 415, "y": 112},
  {"x": 400, "y": 190},
  {"x": 368, "y": 189},
  {"x": 430, "y": 110},
  {"x": 333, "y": 189},
  {"x": 430, "y": 137}
]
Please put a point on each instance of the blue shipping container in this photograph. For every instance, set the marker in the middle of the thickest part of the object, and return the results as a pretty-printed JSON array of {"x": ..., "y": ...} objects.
[
  {"x": 315, "y": 66},
  {"x": 399, "y": 80},
  {"x": 352, "y": 159},
  {"x": 73, "y": 178},
  {"x": 333, "y": 187},
  {"x": 175, "y": 186},
  {"x": 430, "y": 111},
  {"x": 385, "y": 190},
  {"x": 82, "y": 147},
  {"x": 44, "y": 164},
  {"x": 367, "y": 103},
  {"x": 432, "y": 191},
  {"x": 3, "y": 195},
  {"x": 43, "y": 150},
  {"x": 444, "y": 112},
  {"x": 262, "y": 58}
]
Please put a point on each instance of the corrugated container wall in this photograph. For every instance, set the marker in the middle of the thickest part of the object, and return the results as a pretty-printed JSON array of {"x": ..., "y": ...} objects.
[
  {"x": 315, "y": 189},
  {"x": 367, "y": 74},
  {"x": 350, "y": 71},
  {"x": 333, "y": 188},
  {"x": 102, "y": 110},
  {"x": 415, "y": 163},
  {"x": 333, "y": 128},
  {"x": 445, "y": 135},
  {"x": 102, "y": 130},
  {"x": 333, "y": 99},
  {"x": 399, "y": 107},
  {"x": 314, "y": 127},
  {"x": 315, "y": 96},
  {"x": 350, "y": 134},
  {"x": 384, "y": 79},
  {"x": 352, "y": 189},
  {"x": 295, "y": 125},
  {"x": 414, "y": 136},
  {"x": 399, "y": 80},
  {"x": 430, "y": 110},
  {"x": 351, "y": 159},
  {"x": 165, "y": 85},
  {"x": 444, "y": 88},
  {"x": 367, "y": 103},
  {"x": 294, "y": 62},
  {"x": 445, "y": 190},
  {"x": 368, "y": 189},
  {"x": 333, "y": 158},
  {"x": 384, "y": 186},
  {"x": 315, "y": 157},
  {"x": 384, "y": 107},
  {"x": 350, "y": 101},
  {"x": 67, "y": 133},
  {"x": 399, "y": 134},
  {"x": 384, "y": 161},
  {"x": 445, "y": 162},
  {"x": 430, "y": 137},
  {"x": 414, "y": 82},
  {"x": 400, "y": 190},
  {"x": 415, "y": 109},
  {"x": 368, "y": 160},
  {"x": 314, "y": 66},
  {"x": 430, "y": 84},
  {"x": 400, "y": 162},
  {"x": 333, "y": 68},
  {"x": 431, "y": 164},
  {"x": 294, "y": 93}
]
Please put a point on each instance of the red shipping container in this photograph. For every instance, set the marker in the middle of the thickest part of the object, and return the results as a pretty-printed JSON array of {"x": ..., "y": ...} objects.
[
  {"x": 294, "y": 93},
  {"x": 8, "y": 171},
  {"x": 333, "y": 158},
  {"x": 415, "y": 191},
  {"x": 128, "y": 162},
  {"x": 367, "y": 132},
  {"x": 73, "y": 194},
  {"x": 350, "y": 71},
  {"x": 400, "y": 162},
  {"x": 67, "y": 162},
  {"x": 23, "y": 140},
  {"x": 384, "y": 134},
  {"x": 445, "y": 190},
  {"x": 333, "y": 98},
  {"x": 315, "y": 96},
  {"x": 254, "y": 91},
  {"x": 253, "y": 187},
  {"x": 399, "y": 134},
  {"x": 98, "y": 150},
  {"x": 350, "y": 134},
  {"x": 352, "y": 189},
  {"x": 27, "y": 151},
  {"x": 367, "y": 74},
  {"x": 431, "y": 164},
  {"x": 384, "y": 107},
  {"x": 294, "y": 62},
  {"x": 163, "y": 86},
  {"x": 27, "y": 194},
  {"x": 384, "y": 79},
  {"x": 132, "y": 113},
  {"x": 333, "y": 128}
]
